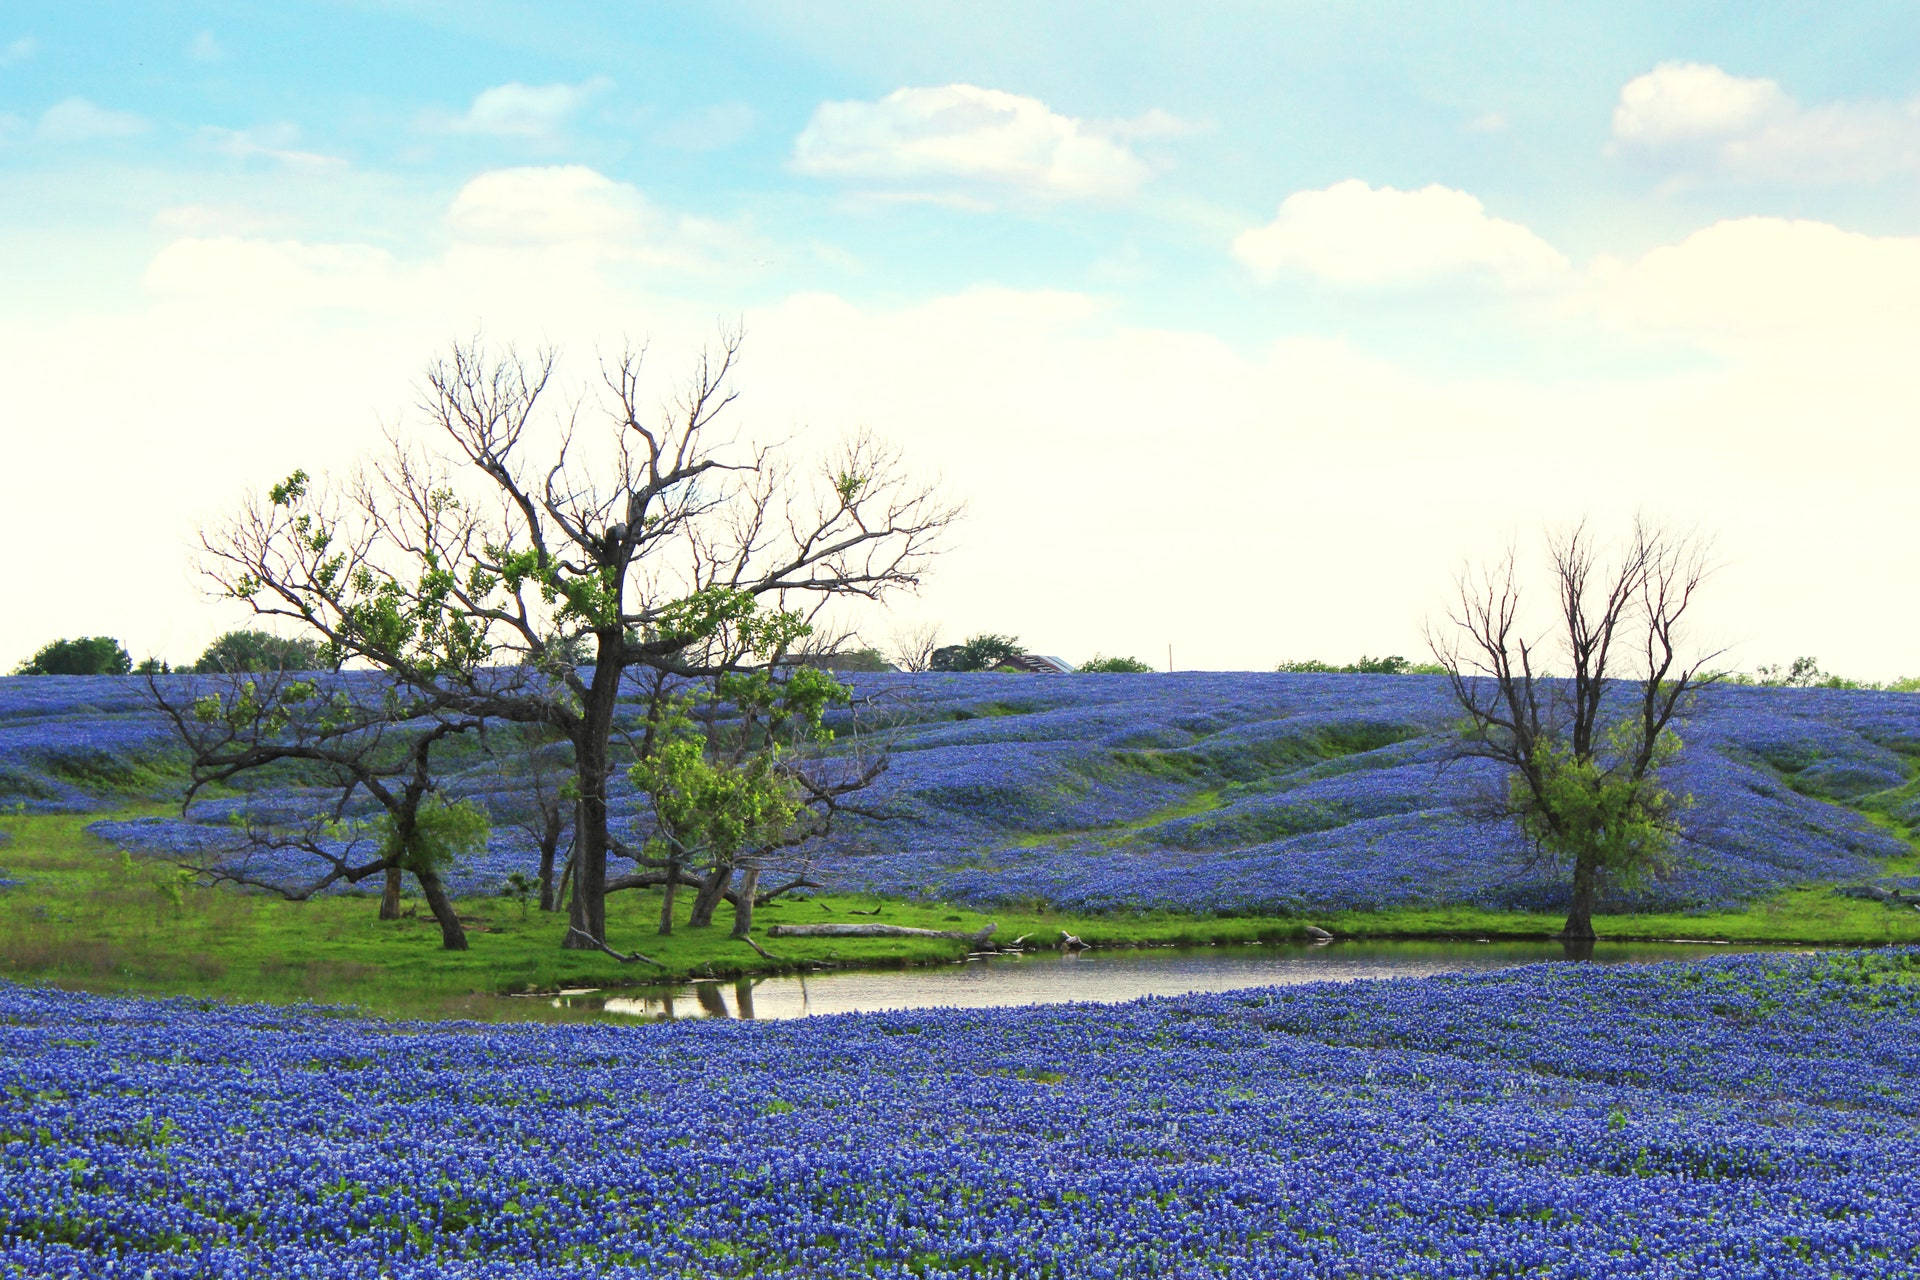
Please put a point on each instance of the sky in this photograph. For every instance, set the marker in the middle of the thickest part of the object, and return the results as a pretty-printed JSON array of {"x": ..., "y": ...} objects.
[{"x": 1239, "y": 328}]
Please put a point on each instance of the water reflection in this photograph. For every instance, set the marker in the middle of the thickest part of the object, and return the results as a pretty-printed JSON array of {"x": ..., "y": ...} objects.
[{"x": 1050, "y": 978}]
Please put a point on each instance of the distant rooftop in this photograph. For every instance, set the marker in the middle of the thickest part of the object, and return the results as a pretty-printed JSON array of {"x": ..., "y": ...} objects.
[{"x": 1038, "y": 664}]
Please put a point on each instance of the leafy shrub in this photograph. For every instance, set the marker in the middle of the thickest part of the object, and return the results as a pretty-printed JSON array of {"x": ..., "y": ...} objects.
[
  {"x": 1097, "y": 663},
  {"x": 82, "y": 656}
]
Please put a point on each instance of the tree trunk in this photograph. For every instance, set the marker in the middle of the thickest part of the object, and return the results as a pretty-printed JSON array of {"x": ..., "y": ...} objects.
[
  {"x": 549, "y": 851},
  {"x": 743, "y": 902},
  {"x": 587, "y": 913},
  {"x": 1586, "y": 885},
  {"x": 452, "y": 936},
  {"x": 977, "y": 938},
  {"x": 566, "y": 878},
  {"x": 712, "y": 889},
  {"x": 390, "y": 895},
  {"x": 667, "y": 893}
]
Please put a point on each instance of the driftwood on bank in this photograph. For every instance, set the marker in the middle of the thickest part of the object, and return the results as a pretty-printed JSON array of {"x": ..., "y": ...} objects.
[{"x": 977, "y": 938}]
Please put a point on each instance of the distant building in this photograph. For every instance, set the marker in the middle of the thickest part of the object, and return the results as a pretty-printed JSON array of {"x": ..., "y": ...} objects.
[{"x": 1036, "y": 664}]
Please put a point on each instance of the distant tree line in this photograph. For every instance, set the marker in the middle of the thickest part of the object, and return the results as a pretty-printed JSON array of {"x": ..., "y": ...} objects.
[
  {"x": 1805, "y": 672},
  {"x": 1394, "y": 665},
  {"x": 235, "y": 651}
]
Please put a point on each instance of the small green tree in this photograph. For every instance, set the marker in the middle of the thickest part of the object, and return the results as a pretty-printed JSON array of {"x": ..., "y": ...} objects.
[
  {"x": 1582, "y": 754},
  {"x": 977, "y": 653},
  {"x": 260, "y": 651},
  {"x": 727, "y": 772},
  {"x": 82, "y": 656},
  {"x": 1100, "y": 664},
  {"x": 1600, "y": 813}
]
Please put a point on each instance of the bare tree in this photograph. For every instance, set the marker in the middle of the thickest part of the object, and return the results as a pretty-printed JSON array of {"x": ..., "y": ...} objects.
[
  {"x": 913, "y": 647},
  {"x": 638, "y": 536},
  {"x": 1582, "y": 752}
]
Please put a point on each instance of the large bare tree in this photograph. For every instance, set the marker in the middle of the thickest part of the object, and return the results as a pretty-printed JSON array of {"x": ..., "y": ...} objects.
[
  {"x": 1582, "y": 751},
  {"x": 475, "y": 564}
]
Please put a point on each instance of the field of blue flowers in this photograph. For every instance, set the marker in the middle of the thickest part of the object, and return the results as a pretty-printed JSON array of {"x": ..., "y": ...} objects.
[
  {"x": 1739, "y": 1117},
  {"x": 1204, "y": 792}
]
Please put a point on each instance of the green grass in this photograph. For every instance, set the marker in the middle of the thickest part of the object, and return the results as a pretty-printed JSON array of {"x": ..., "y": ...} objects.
[
  {"x": 1114, "y": 834},
  {"x": 86, "y": 917}
]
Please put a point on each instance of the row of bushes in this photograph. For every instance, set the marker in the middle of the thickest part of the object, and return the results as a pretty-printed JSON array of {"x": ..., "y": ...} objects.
[{"x": 234, "y": 651}]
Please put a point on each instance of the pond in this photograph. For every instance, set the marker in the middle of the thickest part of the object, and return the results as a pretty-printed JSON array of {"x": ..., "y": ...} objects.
[{"x": 1105, "y": 975}]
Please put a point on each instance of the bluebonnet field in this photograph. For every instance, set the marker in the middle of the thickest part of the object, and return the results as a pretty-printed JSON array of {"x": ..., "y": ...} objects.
[
  {"x": 1201, "y": 792},
  {"x": 1252, "y": 792},
  {"x": 1741, "y": 1117}
]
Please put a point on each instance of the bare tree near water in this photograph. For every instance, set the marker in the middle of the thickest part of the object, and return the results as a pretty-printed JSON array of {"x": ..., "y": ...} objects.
[
  {"x": 1581, "y": 753},
  {"x": 600, "y": 524}
]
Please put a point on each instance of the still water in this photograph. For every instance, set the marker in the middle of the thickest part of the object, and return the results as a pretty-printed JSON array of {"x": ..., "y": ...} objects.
[{"x": 1049, "y": 978}]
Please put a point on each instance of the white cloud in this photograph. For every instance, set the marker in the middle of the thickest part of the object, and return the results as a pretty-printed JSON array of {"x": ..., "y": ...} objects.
[
  {"x": 548, "y": 205},
  {"x": 1695, "y": 119},
  {"x": 78, "y": 120},
  {"x": 267, "y": 142},
  {"x": 965, "y": 135},
  {"x": 516, "y": 110},
  {"x": 533, "y": 241},
  {"x": 204, "y": 47},
  {"x": 1773, "y": 288},
  {"x": 1488, "y": 122},
  {"x": 1685, "y": 102},
  {"x": 1353, "y": 234},
  {"x": 18, "y": 51}
]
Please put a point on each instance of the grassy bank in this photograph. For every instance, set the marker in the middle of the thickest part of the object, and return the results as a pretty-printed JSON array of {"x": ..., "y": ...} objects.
[{"x": 80, "y": 915}]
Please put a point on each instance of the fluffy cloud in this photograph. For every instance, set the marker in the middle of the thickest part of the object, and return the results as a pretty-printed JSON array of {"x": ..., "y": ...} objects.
[
  {"x": 17, "y": 51},
  {"x": 78, "y": 120},
  {"x": 577, "y": 210},
  {"x": 532, "y": 241},
  {"x": 548, "y": 205},
  {"x": 1354, "y": 234},
  {"x": 1691, "y": 118},
  {"x": 960, "y": 134},
  {"x": 1773, "y": 288},
  {"x": 516, "y": 110}
]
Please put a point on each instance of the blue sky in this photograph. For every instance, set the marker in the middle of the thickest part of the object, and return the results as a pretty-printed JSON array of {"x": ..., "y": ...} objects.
[{"x": 1238, "y": 326}]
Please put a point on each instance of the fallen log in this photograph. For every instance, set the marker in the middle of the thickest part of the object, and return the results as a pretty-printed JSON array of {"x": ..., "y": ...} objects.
[{"x": 978, "y": 938}]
